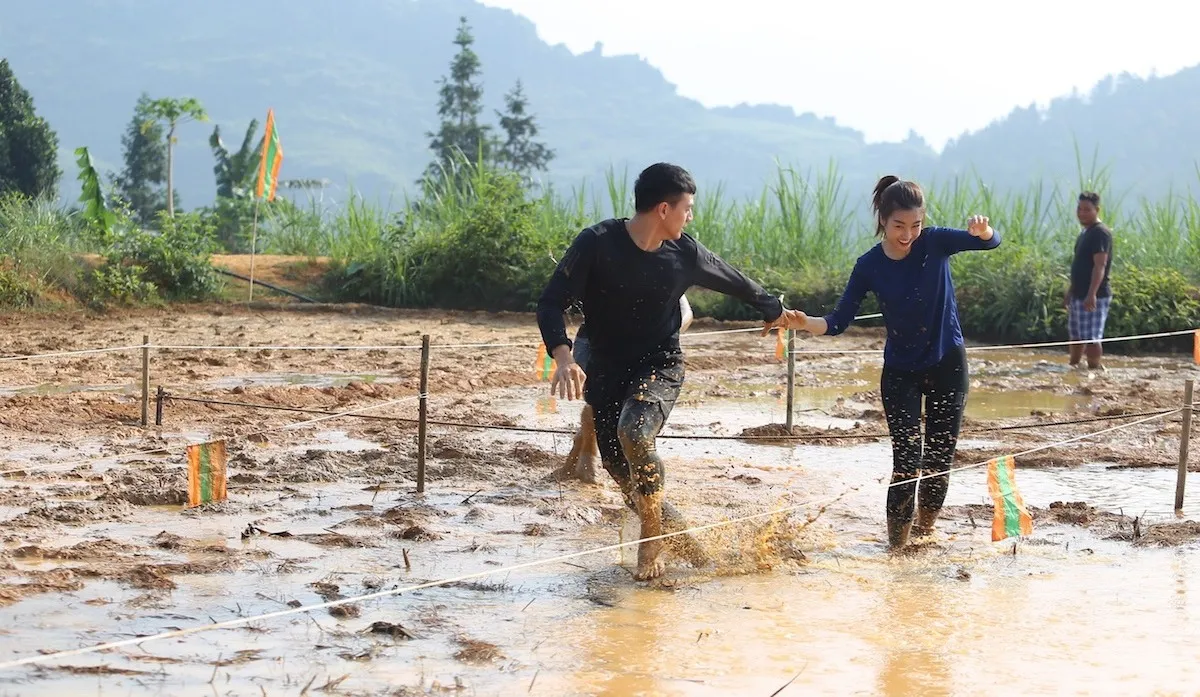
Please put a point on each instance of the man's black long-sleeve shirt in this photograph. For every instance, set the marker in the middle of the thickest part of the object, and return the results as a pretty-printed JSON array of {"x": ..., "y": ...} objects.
[{"x": 630, "y": 296}]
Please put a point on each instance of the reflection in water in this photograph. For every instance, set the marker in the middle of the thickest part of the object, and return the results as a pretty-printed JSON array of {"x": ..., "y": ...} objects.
[{"x": 914, "y": 626}]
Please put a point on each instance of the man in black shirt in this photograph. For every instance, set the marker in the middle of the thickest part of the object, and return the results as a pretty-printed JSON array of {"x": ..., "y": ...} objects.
[
  {"x": 629, "y": 274},
  {"x": 1088, "y": 296}
]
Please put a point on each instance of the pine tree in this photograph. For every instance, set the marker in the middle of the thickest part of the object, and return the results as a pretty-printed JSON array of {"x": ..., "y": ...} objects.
[
  {"x": 519, "y": 151},
  {"x": 142, "y": 183},
  {"x": 459, "y": 106},
  {"x": 28, "y": 146}
]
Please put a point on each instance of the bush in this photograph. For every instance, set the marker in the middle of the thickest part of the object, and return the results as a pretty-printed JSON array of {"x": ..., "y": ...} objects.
[
  {"x": 1012, "y": 294},
  {"x": 121, "y": 285},
  {"x": 17, "y": 290},
  {"x": 487, "y": 259},
  {"x": 176, "y": 260},
  {"x": 473, "y": 246}
]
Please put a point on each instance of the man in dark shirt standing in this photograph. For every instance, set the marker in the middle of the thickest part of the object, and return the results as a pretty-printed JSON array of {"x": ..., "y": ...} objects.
[
  {"x": 629, "y": 274},
  {"x": 1088, "y": 295}
]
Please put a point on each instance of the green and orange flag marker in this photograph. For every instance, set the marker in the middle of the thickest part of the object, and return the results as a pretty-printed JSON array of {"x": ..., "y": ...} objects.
[
  {"x": 206, "y": 472},
  {"x": 543, "y": 367},
  {"x": 272, "y": 158},
  {"x": 1009, "y": 517}
]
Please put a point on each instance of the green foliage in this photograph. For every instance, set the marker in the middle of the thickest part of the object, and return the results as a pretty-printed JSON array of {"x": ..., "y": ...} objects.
[
  {"x": 1014, "y": 293},
  {"x": 236, "y": 173},
  {"x": 96, "y": 212},
  {"x": 118, "y": 284},
  {"x": 173, "y": 112},
  {"x": 28, "y": 146},
  {"x": 475, "y": 245},
  {"x": 232, "y": 223},
  {"x": 17, "y": 290},
  {"x": 1149, "y": 301},
  {"x": 176, "y": 260},
  {"x": 459, "y": 105},
  {"x": 142, "y": 181},
  {"x": 519, "y": 151}
]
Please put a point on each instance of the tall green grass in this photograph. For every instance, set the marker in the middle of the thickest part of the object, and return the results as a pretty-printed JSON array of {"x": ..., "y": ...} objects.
[
  {"x": 38, "y": 239},
  {"x": 481, "y": 241},
  {"x": 797, "y": 222}
]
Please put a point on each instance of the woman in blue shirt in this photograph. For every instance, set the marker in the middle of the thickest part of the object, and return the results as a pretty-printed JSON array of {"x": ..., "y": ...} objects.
[{"x": 909, "y": 273}]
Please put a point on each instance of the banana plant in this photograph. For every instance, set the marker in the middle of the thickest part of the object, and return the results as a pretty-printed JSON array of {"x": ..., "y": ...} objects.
[{"x": 236, "y": 173}]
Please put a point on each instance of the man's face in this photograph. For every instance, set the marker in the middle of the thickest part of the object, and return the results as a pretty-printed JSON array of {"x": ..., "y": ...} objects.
[
  {"x": 675, "y": 217},
  {"x": 1087, "y": 213}
]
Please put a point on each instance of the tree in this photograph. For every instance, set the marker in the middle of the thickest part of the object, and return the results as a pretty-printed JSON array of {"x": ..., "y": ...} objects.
[
  {"x": 173, "y": 112},
  {"x": 142, "y": 180},
  {"x": 28, "y": 146},
  {"x": 235, "y": 173},
  {"x": 519, "y": 151},
  {"x": 459, "y": 106}
]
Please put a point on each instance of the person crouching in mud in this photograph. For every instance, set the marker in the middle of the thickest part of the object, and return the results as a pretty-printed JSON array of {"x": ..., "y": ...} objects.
[
  {"x": 628, "y": 274},
  {"x": 924, "y": 356},
  {"x": 585, "y": 453}
]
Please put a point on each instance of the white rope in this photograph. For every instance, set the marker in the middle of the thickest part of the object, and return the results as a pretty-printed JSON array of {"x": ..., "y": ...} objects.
[
  {"x": 385, "y": 347},
  {"x": 84, "y": 352},
  {"x": 508, "y": 569},
  {"x": 535, "y": 344}
]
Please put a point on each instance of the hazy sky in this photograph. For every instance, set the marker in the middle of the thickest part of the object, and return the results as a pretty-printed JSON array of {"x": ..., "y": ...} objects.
[{"x": 939, "y": 67}]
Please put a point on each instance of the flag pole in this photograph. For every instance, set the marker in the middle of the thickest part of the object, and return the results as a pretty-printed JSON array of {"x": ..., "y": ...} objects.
[{"x": 253, "y": 246}]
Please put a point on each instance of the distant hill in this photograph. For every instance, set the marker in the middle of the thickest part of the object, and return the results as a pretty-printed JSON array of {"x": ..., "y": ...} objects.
[{"x": 353, "y": 88}]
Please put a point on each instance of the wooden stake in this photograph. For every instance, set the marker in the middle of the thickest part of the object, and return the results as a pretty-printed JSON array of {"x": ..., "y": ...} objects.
[
  {"x": 253, "y": 247},
  {"x": 791, "y": 377},
  {"x": 1185, "y": 437},
  {"x": 158, "y": 405},
  {"x": 422, "y": 418},
  {"x": 145, "y": 379}
]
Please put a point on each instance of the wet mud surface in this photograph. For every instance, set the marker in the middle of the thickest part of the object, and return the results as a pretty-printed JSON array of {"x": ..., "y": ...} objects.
[{"x": 99, "y": 545}]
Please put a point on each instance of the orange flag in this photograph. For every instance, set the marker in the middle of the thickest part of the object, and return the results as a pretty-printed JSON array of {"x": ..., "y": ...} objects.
[
  {"x": 1009, "y": 517},
  {"x": 206, "y": 472}
]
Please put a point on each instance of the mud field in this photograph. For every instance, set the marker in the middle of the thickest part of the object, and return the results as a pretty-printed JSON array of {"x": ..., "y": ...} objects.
[{"x": 98, "y": 545}]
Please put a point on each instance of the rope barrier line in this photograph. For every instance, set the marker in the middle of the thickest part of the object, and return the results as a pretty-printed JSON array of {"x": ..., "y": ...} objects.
[
  {"x": 28, "y": 660},
  {"x": 682, "y": 436},
  {"x": 535, "y": 344},
  {"x": 417, "y": 347},
  {"x": 83, "y": 352},
  {"x": 325, "y": 417}
]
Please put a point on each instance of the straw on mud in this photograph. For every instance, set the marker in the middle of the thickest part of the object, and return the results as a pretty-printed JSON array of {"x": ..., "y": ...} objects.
[{"x": 516, "y": 567}]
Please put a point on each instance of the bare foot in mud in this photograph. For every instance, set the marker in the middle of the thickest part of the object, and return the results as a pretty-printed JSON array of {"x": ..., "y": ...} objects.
[
  {"x": 578, "y": 466},
  {"x": 650, "y": 561}
]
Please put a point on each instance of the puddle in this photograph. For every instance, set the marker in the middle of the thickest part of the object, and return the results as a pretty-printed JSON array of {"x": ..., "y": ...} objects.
[
  {"x": 70, "y": 388},
  {"x": 305, "y": 379},
  {"x": 336, "y": 441},
  {"x": 960, "y": 618}
]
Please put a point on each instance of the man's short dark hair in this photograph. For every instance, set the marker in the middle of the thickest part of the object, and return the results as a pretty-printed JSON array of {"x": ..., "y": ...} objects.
[
  {"x": 1091, "y": 196},
  {"x": 661, "y": 182}
]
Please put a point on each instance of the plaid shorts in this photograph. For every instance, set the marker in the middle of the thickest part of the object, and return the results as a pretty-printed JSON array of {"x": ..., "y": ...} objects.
[{"x": 1087, "y": 326}]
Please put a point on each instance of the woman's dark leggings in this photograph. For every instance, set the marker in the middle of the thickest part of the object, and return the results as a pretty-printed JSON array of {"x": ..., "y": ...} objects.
[{"x": 944, "y": 387}]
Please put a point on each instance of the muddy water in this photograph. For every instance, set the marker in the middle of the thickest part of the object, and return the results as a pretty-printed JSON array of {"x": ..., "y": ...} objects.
[{"x": 1068, "y": 613}]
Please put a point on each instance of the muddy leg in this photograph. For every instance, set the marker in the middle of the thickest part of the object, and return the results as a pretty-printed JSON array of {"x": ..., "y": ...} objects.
[
  {"x": 650, "y": 562},
  {"x": 589, "y": 453},
  {"x": 944, "y": 405},
  {"x": 581, "y": 462},
  {"x": 638, "y": 427},
  {"x": 901, "y": 393}
]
